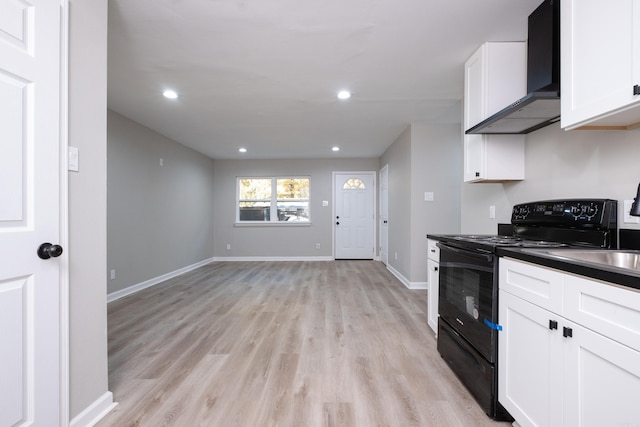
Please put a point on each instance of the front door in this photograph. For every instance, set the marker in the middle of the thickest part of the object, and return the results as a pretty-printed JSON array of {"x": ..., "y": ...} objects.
[
  {"x": 354, "y": 215},
  {"x": 30, "y": 77}
]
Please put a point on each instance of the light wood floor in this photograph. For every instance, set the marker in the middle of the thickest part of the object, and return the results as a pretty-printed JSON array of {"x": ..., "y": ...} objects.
[{"x": 339, "y": 343}]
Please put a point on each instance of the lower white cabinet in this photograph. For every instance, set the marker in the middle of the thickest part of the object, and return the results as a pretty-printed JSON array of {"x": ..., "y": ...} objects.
[
  {"x": 554, "y": 371},
  {"x": 433, "y": 280},
  {"x": 432, "y": 296}
]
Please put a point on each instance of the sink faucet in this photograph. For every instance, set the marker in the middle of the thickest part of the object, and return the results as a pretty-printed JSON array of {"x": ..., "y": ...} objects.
[{"x": 635, "y": 207}]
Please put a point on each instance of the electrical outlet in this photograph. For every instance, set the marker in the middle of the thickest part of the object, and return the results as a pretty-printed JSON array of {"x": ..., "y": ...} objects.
[
  {"x": 228, "y": 246},
  {"x": 492, "y": 211},
  {"x": 628, "y": 219},
  {"x": 113, "y": 274},
  {"x": 317, "y": 245},
  {"x": 395, "y": 255}
]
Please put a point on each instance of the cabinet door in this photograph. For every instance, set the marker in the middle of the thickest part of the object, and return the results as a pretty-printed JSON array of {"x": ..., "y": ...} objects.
[
  {"x": 602, "y": 381},
  {"x": 607, "y": 309},
  {"x": 495, "y": 76},
  {"x": 529, "y": 362},
  {"x": 599, "y": 68},
  {"x": 432, "y": 296},
  {"x": 538, "y": 285},
  {"x": 474, "y": 164}
]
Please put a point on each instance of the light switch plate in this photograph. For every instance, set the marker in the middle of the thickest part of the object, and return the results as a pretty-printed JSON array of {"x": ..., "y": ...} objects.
[
  {"x": 73, "y": 161},
  {"x": 428, "y": 196}
]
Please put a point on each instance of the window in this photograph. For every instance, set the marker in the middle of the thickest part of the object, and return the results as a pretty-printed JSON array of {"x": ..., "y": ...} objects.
[{"x": 273, "y": 200}]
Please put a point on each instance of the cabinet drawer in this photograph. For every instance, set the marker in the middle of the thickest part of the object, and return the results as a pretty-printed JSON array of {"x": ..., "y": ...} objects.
[
  {"x": 537, "y": 285},
  {"x": 604, "y": 308},
  {"x": 433, "y": 251}
]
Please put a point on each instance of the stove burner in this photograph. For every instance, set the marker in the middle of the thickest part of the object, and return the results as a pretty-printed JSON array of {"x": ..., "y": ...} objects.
[
  {"x": 541, "y": 244},
  {"x": 503, "y": 240}
]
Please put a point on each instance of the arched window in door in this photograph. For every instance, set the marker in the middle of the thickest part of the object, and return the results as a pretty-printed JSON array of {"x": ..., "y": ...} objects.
[{"x": 354, "y": 184}]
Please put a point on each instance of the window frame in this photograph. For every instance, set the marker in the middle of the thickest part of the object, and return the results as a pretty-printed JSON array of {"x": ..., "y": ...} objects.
[{"x": 273, "y": 212}]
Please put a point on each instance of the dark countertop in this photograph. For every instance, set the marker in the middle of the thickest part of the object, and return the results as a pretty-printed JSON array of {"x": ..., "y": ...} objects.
[{"x": 620, "y": 276}]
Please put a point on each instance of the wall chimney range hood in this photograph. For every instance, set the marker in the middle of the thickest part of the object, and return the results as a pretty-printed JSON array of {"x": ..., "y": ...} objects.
[{"x": 541, "y": 106}]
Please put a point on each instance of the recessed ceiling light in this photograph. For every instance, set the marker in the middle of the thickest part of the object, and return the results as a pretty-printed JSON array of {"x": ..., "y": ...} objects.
[
  {"x": 171, "y": 94},
  {"x": 242, "y": 150},
  {"x": 335, "y": 148},
  {"x": 344, "y": 94}
]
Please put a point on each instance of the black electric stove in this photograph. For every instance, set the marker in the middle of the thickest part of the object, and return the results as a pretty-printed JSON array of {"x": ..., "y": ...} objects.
[
  {"x": 468, "y": 282},
  {"x": 554, "y": 223}
]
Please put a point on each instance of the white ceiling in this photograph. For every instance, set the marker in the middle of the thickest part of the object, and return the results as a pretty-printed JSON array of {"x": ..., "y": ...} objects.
[{"x": 263, "y": 74}]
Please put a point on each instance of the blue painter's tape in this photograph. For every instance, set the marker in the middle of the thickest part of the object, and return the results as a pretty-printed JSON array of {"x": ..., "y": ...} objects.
[{"x": 493, "y": 325}]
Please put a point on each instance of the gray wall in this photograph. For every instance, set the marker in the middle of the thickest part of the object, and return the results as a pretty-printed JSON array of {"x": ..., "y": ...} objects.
[
  {"x": 270, "y": 241},
  {"x": 561, "y": 164},
  {"x": 425, "y": 157},
  {"x": 398, "y": 158},
  {"x": 88, "y": 204},
  {"x": 435, "y": 167},
  {"x": 159, "y": 218}
]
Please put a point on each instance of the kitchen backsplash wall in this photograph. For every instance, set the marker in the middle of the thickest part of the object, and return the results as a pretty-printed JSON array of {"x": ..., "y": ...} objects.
[{"x": 560, "y": 164}]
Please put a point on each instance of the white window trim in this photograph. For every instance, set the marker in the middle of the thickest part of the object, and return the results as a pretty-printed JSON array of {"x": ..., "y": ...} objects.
[{"x": 273, "y": 213}]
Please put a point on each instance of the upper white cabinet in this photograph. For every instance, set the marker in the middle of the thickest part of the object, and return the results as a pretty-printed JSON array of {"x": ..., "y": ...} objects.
[
  {"x": 600, "y": 63},
  {"x": 495, "y": 77}
]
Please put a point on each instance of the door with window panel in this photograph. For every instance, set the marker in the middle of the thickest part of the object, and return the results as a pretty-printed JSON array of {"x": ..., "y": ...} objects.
[{"x": 354, "y": 215}]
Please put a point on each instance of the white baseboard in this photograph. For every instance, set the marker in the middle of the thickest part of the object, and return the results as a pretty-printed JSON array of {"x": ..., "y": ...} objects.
[
  {"x": 408, "y": 284},
  {"x": 94, "y": 412},
  {"x": 148, "y": 283},
  {"x": 274, "y": 258}
]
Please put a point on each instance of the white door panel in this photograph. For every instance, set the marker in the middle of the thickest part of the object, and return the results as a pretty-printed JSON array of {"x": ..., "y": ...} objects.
[
  {"x": 354, "y": 222},
  {"x": 29, "y": 212}
]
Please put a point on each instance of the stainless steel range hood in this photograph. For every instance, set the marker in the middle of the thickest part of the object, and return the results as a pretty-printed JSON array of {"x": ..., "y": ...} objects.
[{"x": 541, "y": 106}]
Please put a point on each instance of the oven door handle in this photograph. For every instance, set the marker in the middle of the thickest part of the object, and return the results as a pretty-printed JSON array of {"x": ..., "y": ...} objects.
[{"x": 466, "y": 252}]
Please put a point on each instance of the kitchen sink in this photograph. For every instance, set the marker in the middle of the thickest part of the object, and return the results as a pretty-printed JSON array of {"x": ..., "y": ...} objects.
[{"x": 626, "y": 259}]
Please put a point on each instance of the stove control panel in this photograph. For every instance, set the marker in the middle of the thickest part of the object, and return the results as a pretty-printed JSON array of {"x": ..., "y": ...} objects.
[{"x": 597, "y": 213}]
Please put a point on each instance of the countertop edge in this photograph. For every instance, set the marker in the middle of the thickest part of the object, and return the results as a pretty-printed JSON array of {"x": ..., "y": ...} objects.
[{"x": 591, "y": 271}]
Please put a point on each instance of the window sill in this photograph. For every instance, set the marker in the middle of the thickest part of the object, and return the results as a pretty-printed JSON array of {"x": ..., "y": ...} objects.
[{"x": 271, "y": 224}]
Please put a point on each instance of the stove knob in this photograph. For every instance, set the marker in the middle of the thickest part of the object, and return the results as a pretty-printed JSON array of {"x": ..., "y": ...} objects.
[
  {"x": 576, "y": 210},
  {"x": 591, "y": 210}
]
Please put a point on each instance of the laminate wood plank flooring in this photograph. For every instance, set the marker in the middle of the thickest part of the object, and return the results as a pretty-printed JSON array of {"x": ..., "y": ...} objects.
[{"x": 327, "y": 343}]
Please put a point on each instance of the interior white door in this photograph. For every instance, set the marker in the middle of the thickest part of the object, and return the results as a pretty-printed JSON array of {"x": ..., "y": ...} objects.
[
  {"x": 30, "y": 72},
  {"x": 384, "y": 215},
  {"x": 354, "y": 215}
]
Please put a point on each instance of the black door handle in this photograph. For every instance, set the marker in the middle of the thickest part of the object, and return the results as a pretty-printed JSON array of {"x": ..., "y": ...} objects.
[
  {"x": 553, "y": 324},
  {"x": 337, "y": 222},
  {"x": 636, "y": 90},
  {"x": 47, "y": 250},
  {"x": 567, "y": 332}
]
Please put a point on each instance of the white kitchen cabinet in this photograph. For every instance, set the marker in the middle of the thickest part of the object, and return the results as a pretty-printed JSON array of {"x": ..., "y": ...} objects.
[
  {"x": 495, "y": 77},
  {"x": 433, "y": 280},
  {"x": 576, "y": 364},
  {"x": 600, "y": 69}
]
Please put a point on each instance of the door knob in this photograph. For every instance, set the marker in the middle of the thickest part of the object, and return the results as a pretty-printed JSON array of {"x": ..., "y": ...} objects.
[
  {"x": 47, "y": 250},
  {"x": 337, "y": 222}
]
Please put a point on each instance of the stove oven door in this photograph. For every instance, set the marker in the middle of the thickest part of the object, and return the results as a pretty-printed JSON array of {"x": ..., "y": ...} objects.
[{"x": 468, "y": 296}]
